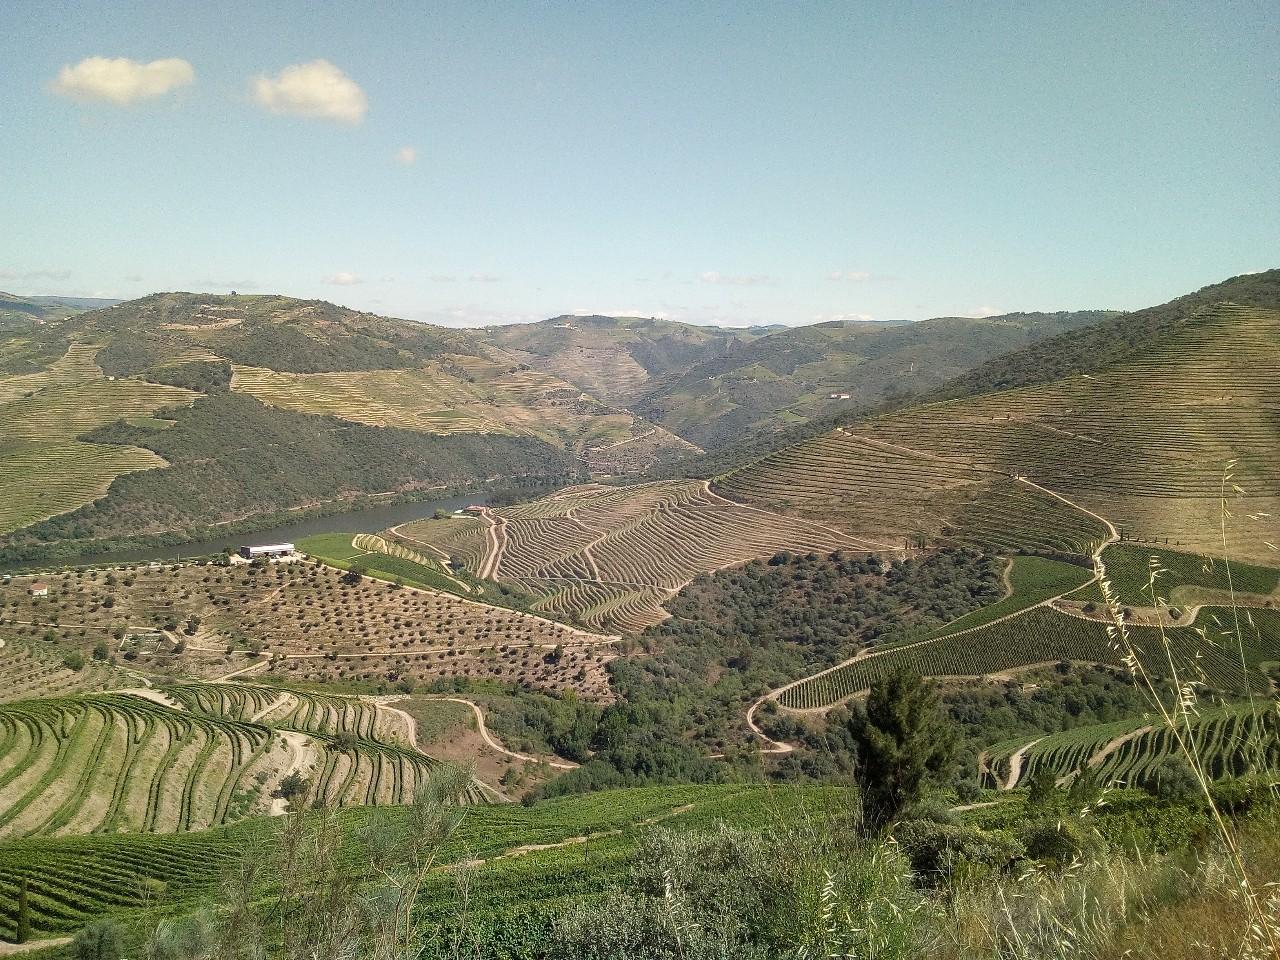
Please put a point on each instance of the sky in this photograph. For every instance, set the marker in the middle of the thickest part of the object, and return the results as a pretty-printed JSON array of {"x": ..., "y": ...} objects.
[{"x": 735, "y": 163}]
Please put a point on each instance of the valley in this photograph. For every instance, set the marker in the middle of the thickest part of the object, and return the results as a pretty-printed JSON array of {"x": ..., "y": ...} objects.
[{"x": 1081, "y": 569}]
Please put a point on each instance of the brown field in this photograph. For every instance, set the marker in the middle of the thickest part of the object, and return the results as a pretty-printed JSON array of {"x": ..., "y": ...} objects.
[
  {"x": 301, "y": 622},
  {"x": 610, "y": 556}
]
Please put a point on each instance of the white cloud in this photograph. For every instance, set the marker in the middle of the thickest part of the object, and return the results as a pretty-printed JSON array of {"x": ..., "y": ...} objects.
[
  {"x": 985, "y": 310},
  {"x": 122, "y": 81},
  {"x": 850, "y": 276},
  {"x": 315, "y": 89},
  {"x": 343, "y": 278},
  {"x": 754, "y": 280},
  {"x": 406, "y": 156}
]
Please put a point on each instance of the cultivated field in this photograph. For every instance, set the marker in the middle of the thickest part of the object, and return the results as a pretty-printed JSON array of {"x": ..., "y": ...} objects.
[
  {"x": 460, "y": 394},
  {"x": 35, "y": 668},
  {"x": 1207, "y": 651},
  {"x": 193, "y": 756},
  {"x": 610, "y": 556},
  {"x": 1229, "y": 742},
  {"x": 1145, "y": 444},
  {"x": 44, "y": 469},
  {"x": 301, "y": 621}
]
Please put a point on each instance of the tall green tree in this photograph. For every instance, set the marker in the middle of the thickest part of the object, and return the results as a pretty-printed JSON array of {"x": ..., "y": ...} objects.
[
  {"x": 902, "y": 739},
  {"x": 24, "y": 914}
]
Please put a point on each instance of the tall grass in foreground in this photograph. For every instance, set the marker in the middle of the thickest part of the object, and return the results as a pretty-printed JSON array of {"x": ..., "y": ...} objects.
[{"x": 1175, "y": 699}]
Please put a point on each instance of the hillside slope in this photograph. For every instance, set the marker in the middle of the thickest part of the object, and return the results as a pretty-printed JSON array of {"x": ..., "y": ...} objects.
[
  {"x": 794, "y": 375},
  {"x": 244, "y": 406},
  {"x": 1158, "y": 441},
  {"x": 618, "y": 359}
]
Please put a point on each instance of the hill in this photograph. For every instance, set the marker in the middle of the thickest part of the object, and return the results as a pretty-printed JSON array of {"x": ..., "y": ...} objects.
[
  {"x": 162, "y": 416},
  {"x": 794, "y": 375},
  {"x": 23, "y": 313},
  {"x": 1164, "y": 432},
  {"x": 618, "y": 359}
]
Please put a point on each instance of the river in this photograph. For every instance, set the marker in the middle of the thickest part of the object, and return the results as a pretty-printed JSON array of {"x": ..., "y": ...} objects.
[{"x": 368, "y": 520}]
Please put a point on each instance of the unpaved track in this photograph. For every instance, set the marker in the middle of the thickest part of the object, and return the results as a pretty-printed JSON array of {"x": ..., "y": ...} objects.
[
  {"x": 1113, "y": 536},
  {"x": 1015, "y": 763},
  {"x": 12, "y": 949},
  {"x": 485, "y": 735},
  {"x": 411, "y": 726}
]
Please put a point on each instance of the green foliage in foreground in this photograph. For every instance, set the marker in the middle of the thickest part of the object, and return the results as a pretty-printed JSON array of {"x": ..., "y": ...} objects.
[
  {"x": 74, "y": 880},
  {"x": 711, "y": 873}
]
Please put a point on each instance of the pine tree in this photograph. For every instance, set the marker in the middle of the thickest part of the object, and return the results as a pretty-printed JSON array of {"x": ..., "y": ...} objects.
[{"x": 902, "y": 739}]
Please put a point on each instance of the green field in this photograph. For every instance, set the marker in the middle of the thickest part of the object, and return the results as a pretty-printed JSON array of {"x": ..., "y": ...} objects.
[
  {"x": 76, "y": 879},
  {"x": 1033, "y": 580},
  {"x": 1045, "y": 636},
  {"x": 1128, "y": 569}
]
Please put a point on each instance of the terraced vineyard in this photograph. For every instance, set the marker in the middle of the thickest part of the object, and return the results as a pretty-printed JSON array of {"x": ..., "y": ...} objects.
[
  {"x": 48, "y": 471},
  {"x": 1144, "y": 443},
  {"x": 610, "y": 556},
  {"x": 1229, "y": 742},
  {"x": 192, "y": 757},
  {"x": 74, "y": 880},
  {"x": 461, "y": 394},
  {"x": 1044, "y": 635}
]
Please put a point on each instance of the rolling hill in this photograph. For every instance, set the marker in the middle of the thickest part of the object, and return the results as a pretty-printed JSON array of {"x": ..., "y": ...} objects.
[
  {"x": 618, "y": 359},
  {"x": 1158, "y": 441},
  {"x": 793, "y": 375},
  {"x": 165, "y": 415}
]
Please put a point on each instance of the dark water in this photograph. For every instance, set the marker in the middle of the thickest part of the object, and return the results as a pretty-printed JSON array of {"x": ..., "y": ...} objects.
[{"x": 369, "y": 520}]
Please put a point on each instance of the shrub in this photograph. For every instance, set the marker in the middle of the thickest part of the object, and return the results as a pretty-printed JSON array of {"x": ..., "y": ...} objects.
[
  {"x": 98, "y": 941},
  {"x": 939, "y": 850}
]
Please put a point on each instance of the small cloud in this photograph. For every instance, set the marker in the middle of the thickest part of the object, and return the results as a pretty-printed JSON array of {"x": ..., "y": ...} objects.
[
  {"x": 754, "y": 280},
  {"x": 483, "y": 278},
  {"x": 979, "y": 313},
  {"x": 850, "y": 276},
  {"x": 406, "y": 156},
  {"x": 343, "y": 278},
  {"x": 315, "y": 89},
  {"x": 122, "y": 81}
]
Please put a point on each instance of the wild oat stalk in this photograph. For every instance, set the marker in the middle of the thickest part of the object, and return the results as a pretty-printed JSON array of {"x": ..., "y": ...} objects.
[{"x": 1262, "y": 907}]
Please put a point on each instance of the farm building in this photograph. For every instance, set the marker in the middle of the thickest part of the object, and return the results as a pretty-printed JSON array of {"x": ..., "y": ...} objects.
[
  {"x": 473, "y": 508},
  {"x": 38, "y": 589},
  {"x": 838, "y": 396},
  {"x": 265, "y": 551}
]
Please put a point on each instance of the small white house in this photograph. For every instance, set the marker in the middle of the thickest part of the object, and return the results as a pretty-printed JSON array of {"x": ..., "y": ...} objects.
[{"x": 38, "y": 589}]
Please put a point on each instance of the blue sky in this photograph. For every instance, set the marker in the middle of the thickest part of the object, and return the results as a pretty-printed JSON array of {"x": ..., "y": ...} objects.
[{"x": 734, "y": 163}]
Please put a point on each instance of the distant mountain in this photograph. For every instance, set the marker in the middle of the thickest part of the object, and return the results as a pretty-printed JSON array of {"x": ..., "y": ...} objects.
[
  {"x": 618, "y": 359},
  {"x": 792, "y": 375},
  {"x": 17, "y": 313},
  {"x": 163, "y": 415}
]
